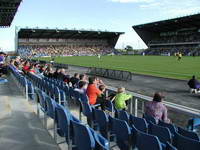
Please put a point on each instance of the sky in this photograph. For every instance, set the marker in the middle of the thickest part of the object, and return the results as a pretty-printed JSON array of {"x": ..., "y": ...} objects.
[{"x": 110, "y": 15}]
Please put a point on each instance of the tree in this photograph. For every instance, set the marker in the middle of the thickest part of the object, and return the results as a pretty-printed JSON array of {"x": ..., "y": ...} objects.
[{"x": 129, "y": 48}]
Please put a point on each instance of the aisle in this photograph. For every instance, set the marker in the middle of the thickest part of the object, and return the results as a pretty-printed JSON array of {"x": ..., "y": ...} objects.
[{"x": 20, "y": 128}]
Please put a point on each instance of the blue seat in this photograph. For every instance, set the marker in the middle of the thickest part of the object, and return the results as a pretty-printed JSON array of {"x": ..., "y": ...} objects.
[
  {"x": 110, "y": 107},
  {"x": 83, "y": 137},
  {"x": 56, "y": 94},
  {"x": 103, "y": 123},
  {"x": 147, "y": 142},
  {"x": 162, "y": 133},
  {"x": 123, "y": 115},
  {"x": 31, "y": 92},
  {"x": 63, "y": 100},
  {"x": 88, "y": 112},
  {"x": 171, "y": 127},
  {"x": 184, "y": 143},
  {"x": 123, "y": 133},
  {"x": 189, "y": 134},
  {"x": 63, "y": 126},
  {"x": 51, "y": 105},
  {"x": 170, "y": 147},
  {"x": 139, "y": 123},
  {"x": 100, "y": 142},
  {"x": 193, "y": 124},
  {"x": 149, "y": 118}
]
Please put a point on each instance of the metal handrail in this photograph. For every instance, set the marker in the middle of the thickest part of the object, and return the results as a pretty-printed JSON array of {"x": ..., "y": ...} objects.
[{"x": 172, "y": 106}]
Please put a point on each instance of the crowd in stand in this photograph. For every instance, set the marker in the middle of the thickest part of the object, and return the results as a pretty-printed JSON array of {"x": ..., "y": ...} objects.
[
  {"x": 186, "y": 51},
  {"x": 91, "y": 86},
  {"x": 176, "y": 39},
  {"x": 58, "y": 50}
]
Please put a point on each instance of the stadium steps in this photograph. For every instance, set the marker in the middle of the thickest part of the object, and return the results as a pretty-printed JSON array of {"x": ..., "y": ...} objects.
[{"x": 20, "y": 128}]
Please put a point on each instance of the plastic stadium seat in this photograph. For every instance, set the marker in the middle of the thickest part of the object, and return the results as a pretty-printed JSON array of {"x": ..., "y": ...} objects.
[
  {"x": 162, "y": 133},
  {"x": 56, "y": 94},
  {"x": 31, "y": 92},
  {"x": 64, "y": 128},
  {"x": 51, "y": 105},
  {"x": 83, "y": 137},
  {"x": 193, "y": 124},
  {"x": 149, "y": 119},
  {"x": 103, "y": 123},
  {"x": 184, "y": 143},
  {"x": 139, "y": 123},
  {"x": 171, "y": 127},
  {"x": 100, "y": 142},
  {"x": 147, "y": 142},
  {"x": 170, "y": 147},
  {"x": 123, "y": 133},
  {"x": 123, "y": 115},
  {"x": 189, "y": 134},
  {"x": 87, "y": 111}
]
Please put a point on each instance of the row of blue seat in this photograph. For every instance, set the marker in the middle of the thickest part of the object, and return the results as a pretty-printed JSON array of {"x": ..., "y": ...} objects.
[
  {"x": 135, "y": 118},
  {"x": 66, "y": 125}
]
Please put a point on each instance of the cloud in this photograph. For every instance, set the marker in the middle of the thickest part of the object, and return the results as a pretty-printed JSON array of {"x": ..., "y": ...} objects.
[
  {"x": 132, "y": 1},
  {"x": 173, "y": 8}
]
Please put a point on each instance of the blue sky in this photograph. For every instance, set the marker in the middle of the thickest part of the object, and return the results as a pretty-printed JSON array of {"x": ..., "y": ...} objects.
[{"x": 111, "y": 15}]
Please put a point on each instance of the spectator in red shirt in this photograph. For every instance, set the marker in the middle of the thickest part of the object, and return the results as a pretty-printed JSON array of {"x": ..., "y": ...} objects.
[{"x": 92, "y": 91}]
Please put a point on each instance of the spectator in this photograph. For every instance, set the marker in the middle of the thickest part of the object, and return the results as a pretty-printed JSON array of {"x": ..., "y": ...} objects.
[
  {"x": 81, "y": 87},
  {"x": 157, "y": 109},
  {"x": 92, "y": 91},
  {"x": 194, "y": 84},
  {"x": 74, "y": 80},
  {"x": 121, "y": 98},
  {"x": 32, "y": 69}
]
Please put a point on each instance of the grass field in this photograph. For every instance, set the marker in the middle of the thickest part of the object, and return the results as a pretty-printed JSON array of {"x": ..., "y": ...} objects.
[{"x": 161, "y": 66}]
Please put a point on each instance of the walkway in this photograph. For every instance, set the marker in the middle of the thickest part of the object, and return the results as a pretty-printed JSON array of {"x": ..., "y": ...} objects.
[{"x": 20, "y": 128}]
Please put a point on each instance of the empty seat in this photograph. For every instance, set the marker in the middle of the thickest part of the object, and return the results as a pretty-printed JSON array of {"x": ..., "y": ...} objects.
[
  {"x": 123, "y": 133},
  {"x": 147, "y": 142},
  {"x": 171, "y": 127},
  {"x": 123, "y": 115},
  {"x": 162, "y": 133},
  {"x": 83, "y": 137},
  {"x": 189, "y": 134},
  {"x": 184, "y": 143},
  {"x": 139, "y": 123}
]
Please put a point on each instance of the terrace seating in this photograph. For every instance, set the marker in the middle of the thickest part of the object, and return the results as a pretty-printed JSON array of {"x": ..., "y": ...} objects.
[
  {"x": 139, "y": 123},
  {"x": 145, "y": 142},
  {"x": 188, "y": 134},
  {"x": 185, "y": 143},
  {"x": 162, "y": 133},
  {"x": 123, "y": 133}
]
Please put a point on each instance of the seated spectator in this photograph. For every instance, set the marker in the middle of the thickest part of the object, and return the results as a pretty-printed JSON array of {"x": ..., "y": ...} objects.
[
  {"x": 194, "y": 84},
  {"x": 74, "y": 80},
  {"x": 82, "y": 87},
  {"x": 83, "y": 77},
  {"x": 64, "y": 76},
  {"x": 26, "y": 67},
  {"x": 121, "y": 98},
  {"x": 56, "y": 73},
  {"x": 32, "y": 69},
  {"x": 92, "y": 91},
  {"x": 157, "y": 109}
]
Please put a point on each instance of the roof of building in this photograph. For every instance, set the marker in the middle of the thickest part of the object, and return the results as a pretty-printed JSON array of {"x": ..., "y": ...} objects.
[
  {"x": 171, "y": 24},
  {"x": 66, "y": 34},
  {"x": 8, "y": 9}
]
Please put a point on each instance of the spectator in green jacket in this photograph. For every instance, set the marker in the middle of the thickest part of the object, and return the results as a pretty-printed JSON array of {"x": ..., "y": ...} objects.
[{"x": 121, "y": 98}]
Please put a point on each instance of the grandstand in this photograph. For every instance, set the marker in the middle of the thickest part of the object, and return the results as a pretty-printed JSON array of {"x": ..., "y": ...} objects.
[
  {"x": 171, "y": 36},
  {"x": 8, "y": 9},
  {"x": 56, "y": 42}
]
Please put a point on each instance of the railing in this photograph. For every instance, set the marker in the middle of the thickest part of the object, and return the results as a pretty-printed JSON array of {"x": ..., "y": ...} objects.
[{"x": 179, "y": 113}]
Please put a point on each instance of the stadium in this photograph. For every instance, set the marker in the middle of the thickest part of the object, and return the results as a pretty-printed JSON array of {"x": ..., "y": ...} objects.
[{"x": 72, "y": 89}]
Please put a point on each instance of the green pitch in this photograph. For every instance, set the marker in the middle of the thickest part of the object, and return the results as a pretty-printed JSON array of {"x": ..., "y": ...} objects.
[{"x": 161, "y": 66}]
